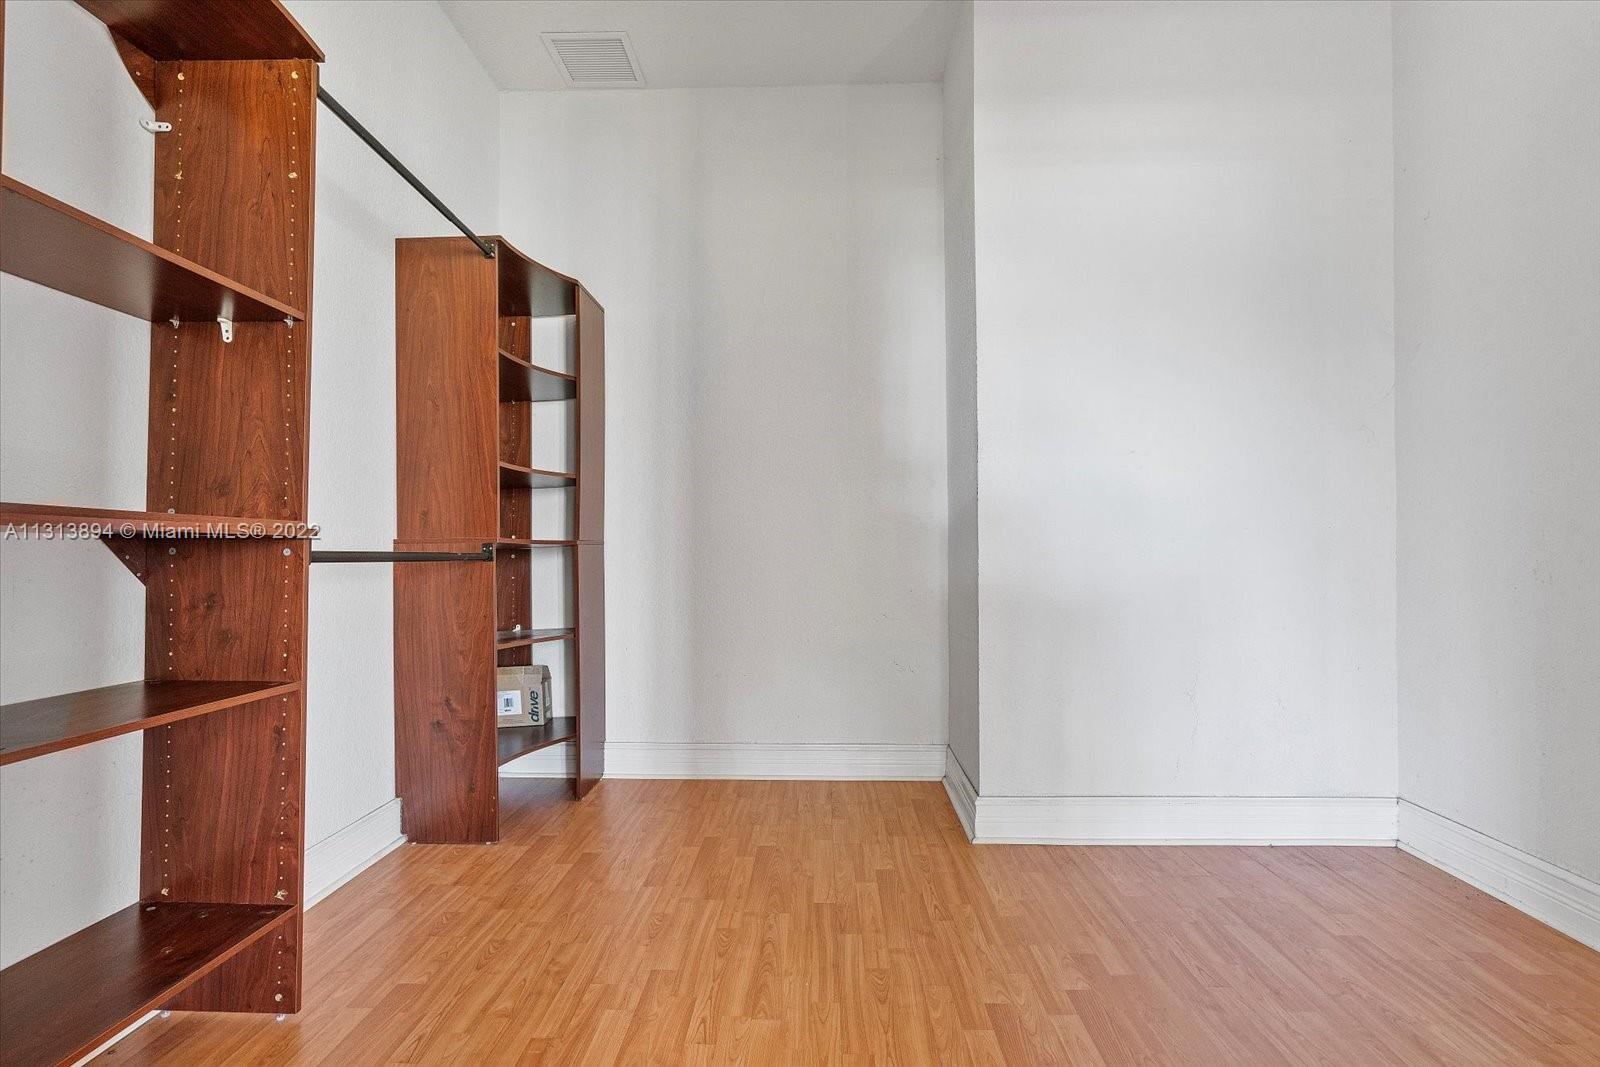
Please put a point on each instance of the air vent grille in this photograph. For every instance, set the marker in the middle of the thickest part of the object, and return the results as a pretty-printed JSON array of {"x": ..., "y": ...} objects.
[{"x": 594, "y": 60}]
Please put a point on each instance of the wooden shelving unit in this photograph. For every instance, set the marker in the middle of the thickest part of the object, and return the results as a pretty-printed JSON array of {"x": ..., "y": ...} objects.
[
  {"x": 468, "y": 389},
  {"x": 221, "y": 546}
]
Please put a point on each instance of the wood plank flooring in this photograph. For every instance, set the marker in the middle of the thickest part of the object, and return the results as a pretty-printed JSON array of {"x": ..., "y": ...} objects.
[{"x": 852, "y": 923}]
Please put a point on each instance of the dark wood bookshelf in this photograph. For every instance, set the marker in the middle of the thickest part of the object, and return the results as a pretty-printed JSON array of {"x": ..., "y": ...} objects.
[
  {"x": 32, "y": 728},
  {"x": 59, "y": 1004},
  {"x": 221, "y": 547},
  {"x": 514, "y": 741},
  {"x": 521, "y": 380},
  {"x": 468, "y": 384},
  {"x": 58, "y": 246}
]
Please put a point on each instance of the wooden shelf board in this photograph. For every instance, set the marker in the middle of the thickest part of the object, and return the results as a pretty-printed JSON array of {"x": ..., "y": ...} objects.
[
  {"x": 59, "y": 1003},
  {"x": 515, "y": 476},
  {"x": 58, "y": 246},
  {"x": 31, "y": 728},
  {"x": 195, "y": 29},
  {"x": 517, "y": 741},
  {"x": 95, "y": 522},
  {"x": 528, "y": 287},
  {"x": 504, "y": 639},
  {"x": 521, "y": 380}
]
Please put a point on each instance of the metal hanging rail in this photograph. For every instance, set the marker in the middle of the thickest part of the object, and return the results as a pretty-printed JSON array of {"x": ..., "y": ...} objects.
[
  {"x": 486, "y": 555},
  {"x": 400, "y": 168}
]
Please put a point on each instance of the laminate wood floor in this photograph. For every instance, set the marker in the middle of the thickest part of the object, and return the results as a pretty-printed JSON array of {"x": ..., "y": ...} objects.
[{"x": 818, "y": 922}]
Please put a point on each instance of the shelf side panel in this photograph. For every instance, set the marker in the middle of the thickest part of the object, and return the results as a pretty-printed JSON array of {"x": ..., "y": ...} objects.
[
  {"x": 445, "y": 391},
  {"x": 512, "y": 599},
  {"x": 226, "y": 610},
  {"x": 516, "y": 336},
  {"x": 591, "y": 650},
  {"x": 516, "y": 512},
  {"x": 234, "y": 179},
  {"x": 222, "y": 806},
  {"x": 235, "y": 192},
  {"x": 516, "y": 433},
  {"x": 444, "y": 701},
  {"x": 229, "y": 421},
  {"x": 591, "y": 418}
]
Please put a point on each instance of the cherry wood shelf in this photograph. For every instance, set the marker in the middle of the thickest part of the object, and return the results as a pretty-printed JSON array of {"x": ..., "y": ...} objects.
[
  {"x": 195, "y": 29},
  {"x": 60, "y": 1003},
  {"x": 113, "y": 522},
  {"x": 515, "y": 741},
  {"x": 32, "y": 728},
  {"x": 521, "y": 380},
  {"x": 58, "y": 246},
  {"x": 516, "y": 476},
  {"x": 504, "y": 639}
]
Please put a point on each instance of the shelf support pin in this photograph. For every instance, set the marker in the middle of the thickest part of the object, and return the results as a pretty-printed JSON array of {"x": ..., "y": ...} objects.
[{"x": 227, "y": 329}]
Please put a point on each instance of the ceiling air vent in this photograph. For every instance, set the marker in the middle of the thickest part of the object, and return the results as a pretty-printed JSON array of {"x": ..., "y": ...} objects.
[{"x": 594, "y": 60}]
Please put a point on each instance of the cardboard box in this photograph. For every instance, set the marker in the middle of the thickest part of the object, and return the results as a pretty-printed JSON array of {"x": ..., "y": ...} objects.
[{"x": 523, "y": 697}]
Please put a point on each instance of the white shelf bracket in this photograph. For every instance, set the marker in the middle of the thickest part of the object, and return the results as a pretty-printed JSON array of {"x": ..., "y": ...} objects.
[
  {"x": 227, "y": 329},
  {"x": 152, "y": 126}
]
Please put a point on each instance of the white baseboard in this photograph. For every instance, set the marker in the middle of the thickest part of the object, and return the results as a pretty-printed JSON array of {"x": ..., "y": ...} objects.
[
  {"x": 1558, "y": 898},
  {"x": 333, "y": 861},
  {"x": 1183, "y": 820},
  {"x": 963, "y": 797}
]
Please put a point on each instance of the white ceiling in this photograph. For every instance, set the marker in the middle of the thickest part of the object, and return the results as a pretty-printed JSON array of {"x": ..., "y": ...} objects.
[{"x": 703, "y": 43}]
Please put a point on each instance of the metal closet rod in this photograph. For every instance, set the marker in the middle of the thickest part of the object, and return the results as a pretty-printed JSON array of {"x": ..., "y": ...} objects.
[
  {"x": 485, "y": 555},
  {"x": 400, "y": 168}
]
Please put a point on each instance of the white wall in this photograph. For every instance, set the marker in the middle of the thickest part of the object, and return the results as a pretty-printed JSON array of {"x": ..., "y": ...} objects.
[
  {"x": 1497, "y": 151},
  {"x": 1184, "y": 372},
  {"x": 73, "y": 382},
  {"x": 770, "y": 262},
  {"x": 961, "y": 407}
]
